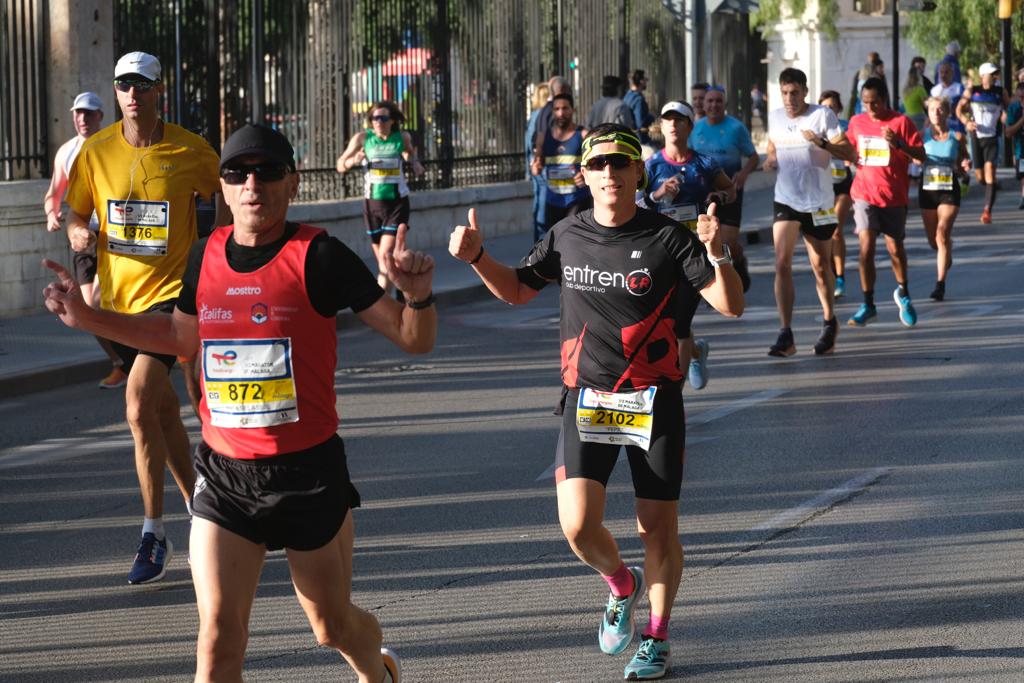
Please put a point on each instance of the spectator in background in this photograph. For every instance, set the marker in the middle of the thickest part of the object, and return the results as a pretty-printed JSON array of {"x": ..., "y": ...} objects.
[
  {"x": 87, "y": 115},
  {"x": 947, "y": 87},
  {"x": 757, "y": 101},
  {"x": 556, "y": 86},
  {"x": 1015, "y": 132},
  {"x": 697, "y": 92},
  {"x": 541, "y": 96},
  {"x": 873, "y": 68},
  {"x": 919, "y": 63},
  {"x": 609, "y": 108},
  {"x": 952, "y": 57},
  {"x": 914, "y": 95},
  {"x": 637, "y": 103}
]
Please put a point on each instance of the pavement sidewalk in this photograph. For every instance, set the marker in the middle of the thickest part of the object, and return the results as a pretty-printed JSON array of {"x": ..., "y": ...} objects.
[{"x": 38, "y": 353}]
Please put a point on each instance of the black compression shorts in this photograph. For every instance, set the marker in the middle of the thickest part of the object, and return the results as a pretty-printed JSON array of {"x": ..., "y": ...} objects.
[
  {"x": 382, "y": 217},
  {"x": 295, "y": 500},
  {"x": 128, "y": 354},
  {"x": 657, "y": 472},
  {"x": 984, "y": 151}
]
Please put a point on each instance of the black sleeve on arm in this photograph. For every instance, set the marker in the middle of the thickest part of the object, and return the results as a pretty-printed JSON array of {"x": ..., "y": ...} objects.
[
  {"x": 542, "y": 265},
  {"x": 190, "y": 280},
  {"x": 337, "y": 279}
]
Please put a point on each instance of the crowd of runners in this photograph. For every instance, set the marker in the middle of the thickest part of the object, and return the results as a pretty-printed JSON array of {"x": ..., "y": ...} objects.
[{"x": 637, "y": 220}]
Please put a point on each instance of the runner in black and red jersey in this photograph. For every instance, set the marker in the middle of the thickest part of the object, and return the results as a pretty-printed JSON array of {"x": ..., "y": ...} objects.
[
  {"x": 258, "y": 301},
  {"x": 622, "y": 271}
]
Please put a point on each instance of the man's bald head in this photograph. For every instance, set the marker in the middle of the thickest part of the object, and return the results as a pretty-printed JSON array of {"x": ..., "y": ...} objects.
[{"x": 559, "y": 86}]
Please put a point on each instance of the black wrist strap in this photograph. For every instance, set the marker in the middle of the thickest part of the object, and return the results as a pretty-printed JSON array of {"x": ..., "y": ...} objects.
[
  {"x": 420, "y": 305},
  {"x": 478, "y": 256}
]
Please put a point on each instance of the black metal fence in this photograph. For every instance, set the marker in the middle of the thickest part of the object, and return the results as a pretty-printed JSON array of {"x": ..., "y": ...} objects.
[{"x": 23, "y": 136}]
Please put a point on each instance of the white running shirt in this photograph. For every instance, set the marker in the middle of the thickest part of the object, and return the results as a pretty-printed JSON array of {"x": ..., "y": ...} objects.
[{"x": 804, "y": 182}]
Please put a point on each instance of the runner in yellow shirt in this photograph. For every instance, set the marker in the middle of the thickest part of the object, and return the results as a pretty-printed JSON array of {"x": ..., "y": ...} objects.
[{"x": 141, "y": 177}]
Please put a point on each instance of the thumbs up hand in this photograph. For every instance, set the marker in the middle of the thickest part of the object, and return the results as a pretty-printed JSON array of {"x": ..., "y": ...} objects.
[
  {"x": 708, "y": 228},
  {"x": 466, "y": 242},
  {"x": 411, "y": 271}
]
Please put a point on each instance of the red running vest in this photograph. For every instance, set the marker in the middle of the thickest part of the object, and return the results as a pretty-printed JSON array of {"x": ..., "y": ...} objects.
[{"x": 268, "y": 357}]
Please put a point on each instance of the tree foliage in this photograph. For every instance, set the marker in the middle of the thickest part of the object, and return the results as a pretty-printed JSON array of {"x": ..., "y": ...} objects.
[
  {"x": 771, "y": 12},
  {"x": 975, "y": 25}
]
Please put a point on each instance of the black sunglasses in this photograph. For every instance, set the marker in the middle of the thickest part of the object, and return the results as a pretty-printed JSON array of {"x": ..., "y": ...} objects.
[
  {"x": 382, "y": 119},
  {"x": 616, "y": 161},
  {"x": 140, "y": 86},
  {"x": 268, "y": 173}
]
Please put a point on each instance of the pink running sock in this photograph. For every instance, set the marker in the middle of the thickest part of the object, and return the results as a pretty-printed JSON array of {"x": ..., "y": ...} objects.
[
  {"x": 657, "y": 627},
  {"x": 621, "y": 582}
]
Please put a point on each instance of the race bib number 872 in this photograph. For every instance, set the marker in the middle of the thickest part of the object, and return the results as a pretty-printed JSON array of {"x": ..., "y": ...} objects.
[{"x": 249, "y": 382}]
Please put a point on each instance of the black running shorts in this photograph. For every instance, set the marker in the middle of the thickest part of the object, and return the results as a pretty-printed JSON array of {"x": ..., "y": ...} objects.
[
  {"x": 127, "y": 354},
  {"x": 929, "y": 200},
  {"x": 383, "y": 216},
  {"x": 844, "y": 186},
  {"x": 295, "y": 500},
  {"x": 784, "y": 212},
  {"x": 984, "y": 151},
  {"x": 731, "y": 213},
  {"x": 657, "y": 472}
]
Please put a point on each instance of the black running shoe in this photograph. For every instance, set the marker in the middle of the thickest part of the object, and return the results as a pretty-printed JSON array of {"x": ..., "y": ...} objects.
[
  {"x": 827, "y": 341},
  {"x": 784, "y": 345},
  {"x": 939, "y": 293}
]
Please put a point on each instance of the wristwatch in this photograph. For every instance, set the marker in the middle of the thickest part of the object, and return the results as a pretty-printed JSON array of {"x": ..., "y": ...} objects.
[{"x": 719, "y": 262}]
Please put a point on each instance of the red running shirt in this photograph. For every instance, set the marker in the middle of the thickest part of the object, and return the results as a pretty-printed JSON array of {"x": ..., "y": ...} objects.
[
  {"x": 268, "y": 357},
  {"x": 882, "y": 178}
]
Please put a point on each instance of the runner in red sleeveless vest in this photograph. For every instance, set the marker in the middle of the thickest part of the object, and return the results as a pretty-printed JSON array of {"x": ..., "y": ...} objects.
[{"x": 258, "y": 301}]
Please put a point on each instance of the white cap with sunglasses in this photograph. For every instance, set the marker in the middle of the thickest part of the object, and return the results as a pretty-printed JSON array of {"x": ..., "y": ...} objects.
[
  {"x": 681, "y": 108},
  {"x": 138, "y": 64}
]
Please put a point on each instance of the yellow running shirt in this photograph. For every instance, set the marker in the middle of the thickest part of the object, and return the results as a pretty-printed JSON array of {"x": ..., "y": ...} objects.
[{"x": 144, "y": 198}]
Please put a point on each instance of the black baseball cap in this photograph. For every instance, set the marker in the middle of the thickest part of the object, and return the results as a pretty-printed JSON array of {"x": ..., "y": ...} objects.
[{"x": 256, "y": 140}]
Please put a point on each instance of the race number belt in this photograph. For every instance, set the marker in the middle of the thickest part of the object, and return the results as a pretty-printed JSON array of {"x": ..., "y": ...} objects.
[
  {"x": 561, "y": 180},
  {"x": 873, "y": 151},
  {"x": 684, "y": 213},
  {"x": 839, "y": 171},
  {"x": 824, "y": 217},
  {"x": 249, "y": 382},
  {"x": 623, "y": 418},
  {"x": 385, "y": 171},
  {"x": 938, "y": 177},
  {"x": 137, "y": 227}
]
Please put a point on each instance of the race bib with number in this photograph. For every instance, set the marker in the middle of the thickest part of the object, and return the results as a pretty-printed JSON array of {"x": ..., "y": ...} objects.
[
  {"x": 385, "y": 171},
  {"x": 873, "y": 151},
  {"x": 684, "y": 213},
  {"x": 937, "y": 178},
  {"x": 824, "y": 217},
  {"x": 623, "y": 418},
  {"x": 249, "y": 382},
  {"x": 138, "y": 227},
  {"x": 839, "y": 171},
  {"x": 561, "y": 180}
]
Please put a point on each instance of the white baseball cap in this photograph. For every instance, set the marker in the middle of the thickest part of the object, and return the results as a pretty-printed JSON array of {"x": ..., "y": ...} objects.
[
  {"x": 140, "y": 64},
  {"x": 87, "y": 100},
  {"x": 988, "y": 68},
  {"x": 680, "y": 108}
]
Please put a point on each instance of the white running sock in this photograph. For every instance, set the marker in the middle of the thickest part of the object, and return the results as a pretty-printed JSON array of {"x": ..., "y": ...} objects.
[{"x": 153, "y": 526}]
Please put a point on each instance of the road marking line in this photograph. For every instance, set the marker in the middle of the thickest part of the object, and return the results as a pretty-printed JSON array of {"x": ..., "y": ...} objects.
[
  {"x": 704, "y": 418},
  {"x": 795, "y": 516}
]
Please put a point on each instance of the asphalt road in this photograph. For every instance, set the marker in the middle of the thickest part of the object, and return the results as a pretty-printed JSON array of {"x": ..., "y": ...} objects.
[{"x": 850, "y": 518}]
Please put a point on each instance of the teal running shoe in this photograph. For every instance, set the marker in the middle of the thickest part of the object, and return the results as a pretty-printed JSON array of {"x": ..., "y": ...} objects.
[
  {"x": 617, "y": 625},
  {"x": 840, "y": 289},
  {"x": 649, "y": 662},
  {"x": 698, "y": 370},
  {"x": 908, "y": 316},
  {"x": 863, "y": 315}
]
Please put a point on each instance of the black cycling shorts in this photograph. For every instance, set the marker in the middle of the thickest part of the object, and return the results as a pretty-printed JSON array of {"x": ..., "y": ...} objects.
[
  {"x": 127, "y": 354},
  {"x": 784, "y": 212},
  {"x": 657, "y": 472},
  {"x": 731, "y": 213},
  {"x": 383, "y": 216},
  {"x": 294, "y": 500},
  {"x": 984, "y": 151}
]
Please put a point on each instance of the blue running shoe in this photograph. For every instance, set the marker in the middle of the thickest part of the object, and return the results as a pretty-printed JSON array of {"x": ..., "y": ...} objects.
[
  {"x": 863, "y": 315},
  {"x": 617, "y": 625},
  {"x": 698, "y": 372},
  {"x": 392, "y": 664},
  {"x": 151, "y": 560},
  {"x": 908, "y": 316},
  {"x": 840, "y": 289},
  {"x": 649, "y": 662}
]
